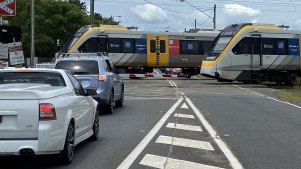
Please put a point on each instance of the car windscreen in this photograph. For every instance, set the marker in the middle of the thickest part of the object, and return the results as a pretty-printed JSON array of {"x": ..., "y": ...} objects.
[
  {"x": 51, "y": 78},
  {"x": 80, "y": 67}
]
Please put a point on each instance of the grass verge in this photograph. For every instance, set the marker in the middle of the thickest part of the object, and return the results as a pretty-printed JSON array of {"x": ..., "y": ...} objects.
[{"x": 292, "y": 94}]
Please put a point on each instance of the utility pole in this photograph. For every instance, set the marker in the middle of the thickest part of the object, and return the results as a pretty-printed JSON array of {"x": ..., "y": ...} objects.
[
  {"x": 214, "y": 17},
  {"x": 32, "y": 52},
  {"x": 194, "y": 24},
  {"x": 91, "y": 12}
]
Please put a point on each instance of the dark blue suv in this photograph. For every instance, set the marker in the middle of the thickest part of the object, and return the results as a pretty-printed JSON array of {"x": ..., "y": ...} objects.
[{"x": 96, "y": 72}]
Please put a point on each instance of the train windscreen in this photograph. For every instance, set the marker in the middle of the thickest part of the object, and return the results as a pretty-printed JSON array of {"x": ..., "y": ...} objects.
[
  {"x": 74, "y": 38},
  {"x": 221, "y": 41}
]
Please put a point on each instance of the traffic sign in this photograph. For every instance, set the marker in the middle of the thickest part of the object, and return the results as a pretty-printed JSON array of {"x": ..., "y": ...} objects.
[
  {"x": 7, "y": 7},
  {"x": 16, "y": 55}
]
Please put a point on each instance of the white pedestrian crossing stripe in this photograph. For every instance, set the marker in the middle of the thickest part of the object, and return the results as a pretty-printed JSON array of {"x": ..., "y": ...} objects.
[
  {"x": 188, "y": 116},
  {"x": 184, "y": 106},
  {"x": 204, "y": 145},
  {"x": 184, "y": 127},
  {"x": 170, "y": 163}
]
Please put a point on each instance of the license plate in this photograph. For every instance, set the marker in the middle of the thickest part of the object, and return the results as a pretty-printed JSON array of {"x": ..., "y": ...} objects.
[{"x": 0, "y": 119}]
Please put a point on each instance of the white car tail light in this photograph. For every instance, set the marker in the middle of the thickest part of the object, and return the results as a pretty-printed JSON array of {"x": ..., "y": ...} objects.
[{"x": 47, "y": 112}]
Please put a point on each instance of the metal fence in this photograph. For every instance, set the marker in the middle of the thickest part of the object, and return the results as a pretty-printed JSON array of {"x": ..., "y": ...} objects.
[{"x": 45, "y": 65}]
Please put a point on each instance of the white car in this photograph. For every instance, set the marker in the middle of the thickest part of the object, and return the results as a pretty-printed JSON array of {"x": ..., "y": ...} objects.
[{"x": 45, "y": 111}]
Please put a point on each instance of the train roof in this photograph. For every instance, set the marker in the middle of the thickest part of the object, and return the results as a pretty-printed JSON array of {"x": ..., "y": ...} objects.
[
  {"x": 118, "y": 29},
  {"x": 266, "y": 28}
]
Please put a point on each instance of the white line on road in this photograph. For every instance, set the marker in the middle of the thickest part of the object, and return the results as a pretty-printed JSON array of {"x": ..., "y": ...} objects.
[
  {"x": 230, "y": 156},
  {"x": 184, "y": 127},
  {"x": 170, "y": 163},
  {"x": 184, "y": 106},
  {"x": 284, "y": 102},
  {"x": 173, "y": 84},
  {"x": 128, "y": 161},
  {"x": 188, "y": 116},
  {"x": 204, "y": 145},
  {"x": 256, "y": 93}
]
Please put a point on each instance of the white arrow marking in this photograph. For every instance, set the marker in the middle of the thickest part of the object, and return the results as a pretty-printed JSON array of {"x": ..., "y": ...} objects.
[{"x": 184, "y": 106}]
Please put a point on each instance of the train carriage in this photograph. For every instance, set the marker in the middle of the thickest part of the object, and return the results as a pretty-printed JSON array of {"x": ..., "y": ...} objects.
[
  {"x": 131, "y": 49},
  {"x": 254, "y": 53}
]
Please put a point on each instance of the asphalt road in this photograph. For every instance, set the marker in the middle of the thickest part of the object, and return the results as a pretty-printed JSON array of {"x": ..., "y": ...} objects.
[{"x": 257, "y": 130}]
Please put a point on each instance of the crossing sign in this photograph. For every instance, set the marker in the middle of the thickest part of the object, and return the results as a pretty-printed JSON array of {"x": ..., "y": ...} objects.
[{"x": 7, "y": 7}]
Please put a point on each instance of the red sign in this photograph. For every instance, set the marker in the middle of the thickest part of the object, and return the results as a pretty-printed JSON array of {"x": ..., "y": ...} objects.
[
  {"x": 174, "y": 46},
  {"x": 7, "y": 7}
]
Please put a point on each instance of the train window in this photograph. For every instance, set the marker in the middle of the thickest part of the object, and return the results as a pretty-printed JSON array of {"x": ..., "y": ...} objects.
[
  {"x": 90, "y": 45},
  {"x": 256, "y": 45},
  {"x": 242, "y": 47},
  {"x": 102, "y": 45},
  {"x": 114, "y": 45},
  {"x": 162, "y": 46},
  {"x": 203, "y": 46},
  {"x": 268, "y": 46},
  {"x": 94, "y": 45},
  {"x": 128, "y": 46},
  {"x": 152, "y": 46},
  {"x": 189, "y": 47},
  {"x": 281, "y": 47}
]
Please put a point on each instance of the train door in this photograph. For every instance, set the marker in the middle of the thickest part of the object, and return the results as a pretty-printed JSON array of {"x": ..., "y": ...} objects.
[
  {"x": 256, "y": 52},
  {"x": 102, "y": 43},
  {"x": 157, "y": 51}
]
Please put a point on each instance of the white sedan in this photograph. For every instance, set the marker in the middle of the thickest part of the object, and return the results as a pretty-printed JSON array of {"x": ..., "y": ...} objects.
[{"x": 45, "y": 111}]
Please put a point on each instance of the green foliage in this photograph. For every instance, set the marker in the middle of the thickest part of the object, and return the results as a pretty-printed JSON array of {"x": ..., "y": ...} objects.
[{"x": 54, "y": 19}]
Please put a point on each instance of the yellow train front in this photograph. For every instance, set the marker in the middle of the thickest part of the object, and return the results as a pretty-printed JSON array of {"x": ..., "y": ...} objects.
[{"x": 254, "y": 53}]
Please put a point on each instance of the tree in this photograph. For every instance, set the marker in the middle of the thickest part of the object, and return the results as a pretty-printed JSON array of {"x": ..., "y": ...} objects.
[
  {"x": 81, "y": 5},
  {"x": 54, "y": 20}
]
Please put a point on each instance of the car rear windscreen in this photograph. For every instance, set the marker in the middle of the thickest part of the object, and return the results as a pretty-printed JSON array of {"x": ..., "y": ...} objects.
[
  {"x": 53, "y": 79},
  {"x": 79, "y": 67}
]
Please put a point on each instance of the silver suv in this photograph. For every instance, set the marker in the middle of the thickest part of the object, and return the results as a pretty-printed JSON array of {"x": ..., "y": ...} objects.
[{"x": 95, "y": 71}]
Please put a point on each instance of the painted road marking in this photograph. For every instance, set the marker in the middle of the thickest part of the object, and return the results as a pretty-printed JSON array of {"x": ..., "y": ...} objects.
[
  {"x": 128, "y": 161},
  {"x": 256, "y": 93},
  {"x": 230, "y": 156},
  {"x": 204, "y": 145},
  {"x": 184, "y": 127},
  {"x": 170, "y": 163},
  {"x": 188, "y": 116},
  {"x": 284, "y": 102},
  {"x": 184, "y": 106}
]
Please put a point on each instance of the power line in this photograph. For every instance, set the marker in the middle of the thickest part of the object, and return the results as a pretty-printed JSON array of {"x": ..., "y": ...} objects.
[
  {"x": 195, "y": 7},
  {"x": 162, "y": 7}
]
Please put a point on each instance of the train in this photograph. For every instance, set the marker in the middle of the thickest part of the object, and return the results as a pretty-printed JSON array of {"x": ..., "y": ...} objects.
[
  {"x": 132, "y": 51},
  {"x": 254, "y": 53}
]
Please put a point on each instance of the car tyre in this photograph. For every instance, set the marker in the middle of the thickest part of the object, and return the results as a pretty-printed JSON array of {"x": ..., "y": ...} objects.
[
  {"x": 109, "y": 108},
  {"x": 95, "y": 128},
  {"x": 119, "y": 103},
  {"x": 67, "y": 154}
]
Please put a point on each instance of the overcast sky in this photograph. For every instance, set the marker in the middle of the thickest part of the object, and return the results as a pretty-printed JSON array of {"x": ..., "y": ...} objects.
[{"x": 174, "y": 15}]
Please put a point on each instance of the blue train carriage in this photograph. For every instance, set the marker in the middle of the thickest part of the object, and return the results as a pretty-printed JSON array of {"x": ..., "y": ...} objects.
[
  {"x": 140, "y": 49},
  {"x": 254, "y": 53}
]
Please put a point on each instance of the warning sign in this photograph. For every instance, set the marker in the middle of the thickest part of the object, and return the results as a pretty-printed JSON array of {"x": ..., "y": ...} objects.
[
  {"x": 7, "y": 7},
  {"x": 16, "y": 55}
]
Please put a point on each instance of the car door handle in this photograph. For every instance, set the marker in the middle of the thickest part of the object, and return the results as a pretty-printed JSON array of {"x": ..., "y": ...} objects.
[{"x": 84, "y": 101}]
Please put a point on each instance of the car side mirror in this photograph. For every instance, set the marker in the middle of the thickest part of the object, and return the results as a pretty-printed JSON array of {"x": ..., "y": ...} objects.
[{"x": 90, "y": 92}]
